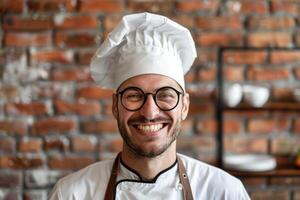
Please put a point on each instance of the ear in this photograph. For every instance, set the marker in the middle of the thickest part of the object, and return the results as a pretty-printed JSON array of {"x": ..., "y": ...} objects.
[
  {"x": 185, "y": 106},
  {"x": 115, "y": 105}
]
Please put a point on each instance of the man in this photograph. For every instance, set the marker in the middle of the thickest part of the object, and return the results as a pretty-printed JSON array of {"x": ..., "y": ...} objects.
[{"x": 144, "y": 59}]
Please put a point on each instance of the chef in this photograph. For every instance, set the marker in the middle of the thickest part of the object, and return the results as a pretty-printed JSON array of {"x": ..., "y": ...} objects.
[{"x": 144, "y": 60}]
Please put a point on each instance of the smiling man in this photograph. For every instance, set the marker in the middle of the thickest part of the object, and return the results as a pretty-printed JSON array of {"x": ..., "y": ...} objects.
[{"x": 144, "y": 59}]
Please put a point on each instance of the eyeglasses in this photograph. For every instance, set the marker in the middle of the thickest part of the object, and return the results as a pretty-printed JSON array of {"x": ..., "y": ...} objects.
[{"x": 133, "y": 98}]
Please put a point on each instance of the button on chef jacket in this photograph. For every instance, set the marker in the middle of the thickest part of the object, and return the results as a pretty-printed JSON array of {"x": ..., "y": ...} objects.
[{"x": 207, "y": 182}]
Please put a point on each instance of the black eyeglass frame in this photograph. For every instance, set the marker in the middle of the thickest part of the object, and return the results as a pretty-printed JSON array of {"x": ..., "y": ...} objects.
[{"x": 153, "y": 96}]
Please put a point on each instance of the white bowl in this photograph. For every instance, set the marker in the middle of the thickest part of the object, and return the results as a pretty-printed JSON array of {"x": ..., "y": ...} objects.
[
  {"x": 255, "y": 95},
  {"x": 250, "y": 162},
  {"x": 233, "y": 94}
]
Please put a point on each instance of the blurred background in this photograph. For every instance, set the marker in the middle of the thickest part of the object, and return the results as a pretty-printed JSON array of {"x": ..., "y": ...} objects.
[{"x": 54, "y": 120}]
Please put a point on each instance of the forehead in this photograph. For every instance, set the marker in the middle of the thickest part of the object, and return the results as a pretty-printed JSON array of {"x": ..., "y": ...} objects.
[{"x": 149, "y": 82}]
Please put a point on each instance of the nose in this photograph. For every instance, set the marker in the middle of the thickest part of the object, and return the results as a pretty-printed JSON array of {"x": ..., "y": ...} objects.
[{"x": 149, "y": 109}]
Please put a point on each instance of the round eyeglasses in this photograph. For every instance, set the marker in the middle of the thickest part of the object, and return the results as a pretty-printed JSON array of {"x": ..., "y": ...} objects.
[{"x": 133, "y": 98}]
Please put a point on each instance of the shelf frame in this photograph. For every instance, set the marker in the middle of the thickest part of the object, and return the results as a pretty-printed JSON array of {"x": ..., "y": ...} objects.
[{"x": 220, "y": 103}]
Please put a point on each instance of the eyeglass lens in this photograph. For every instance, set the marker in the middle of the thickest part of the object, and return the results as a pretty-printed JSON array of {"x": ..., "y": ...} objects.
[{"x": 133, "y": 98}]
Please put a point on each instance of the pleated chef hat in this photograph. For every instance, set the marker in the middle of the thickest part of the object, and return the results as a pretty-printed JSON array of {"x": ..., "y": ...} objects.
[{"x": 143, "y": 43}]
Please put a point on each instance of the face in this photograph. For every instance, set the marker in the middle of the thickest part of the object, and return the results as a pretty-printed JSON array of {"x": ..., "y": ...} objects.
[{"x": 149, "y": 131}]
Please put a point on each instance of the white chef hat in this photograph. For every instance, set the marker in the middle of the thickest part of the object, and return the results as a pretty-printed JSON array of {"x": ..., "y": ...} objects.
[{"x": 143, "y": 43}]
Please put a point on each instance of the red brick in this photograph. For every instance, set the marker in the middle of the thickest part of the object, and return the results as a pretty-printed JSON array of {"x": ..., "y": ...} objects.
[
  {"x": 270, "y": 194},
  {"x": 51, "y": 5},
  {"x": 247, "y": 7},
  {"x": 53, "y": 125},
  {"x": 14, "y": 127},
  {"x": 268, "y": 73},
  {"x": 108, "y": 109},
  {"x": 296, "y": 128},
  {"x": 297, "y": 72},
  {"x": 10, "y": 179},
  {"x": 111, "y": 145},
  {"x": 11, "y": 6},
  {"x": 284, "y": 57},
  {"x": 52, "y": 56},
  {"x": 283, "y": 146},
  {"x": 21, "y": 162},
  {"x": 206, "y": 74},
  {"x": 57, "y": 143},
  {"x": 94, "y": 92},
  {"x": 156, "y": 6},
  {"x": 85, "y": 108},
  {"x": 84, "y": 58},
  {"x": 72, "y": 39},
  {"x": 206, "y": 56},
  {"x": 71, "y": 74},
  {"x": 63, "y": 21},
  {"x": 234, "y": 73},
  {"x": 245, "y": 145},
  {"x": 69, "y": 162},
  {"x": 209, "y": 126},
  {"x": 84, "y": 144},
  {"x": 283, "y": 6},
  {"x": 197, "y": 108},
  {"x": 269, "y": 39},
  {"x": 101, "y": 6},
  {"x": 245, "y": 57},
  {"x": 185, "y": 20},
  {"x": 197, "y": 5},
  {"x": 216, "y": 39},
  {"x": 105, "y": 126},
  {"x": 7, "y": 145},
  {"x": 12, "y": 39},
  {"x": 30, "y": 145},
  {"x": 17, "y": 22},
  {"x": 282, "y": 94},
  {"x": 219, "y": 23},
  {"x": 53, "y": 90},
  {"x": 271, "y": 23},
  {"x": 195, "y": 145},
  {"x": 33, "y": 108},
  {"x": 202, "y": 92},
  {"x": 267, "y": 126}
]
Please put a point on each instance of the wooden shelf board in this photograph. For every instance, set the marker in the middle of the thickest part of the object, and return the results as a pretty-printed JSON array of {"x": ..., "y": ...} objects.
[
  {"x": 287, "y": 172},
  {"x": 272, "y": 106}
]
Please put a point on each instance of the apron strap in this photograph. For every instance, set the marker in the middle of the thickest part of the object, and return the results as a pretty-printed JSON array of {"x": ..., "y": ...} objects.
[
  {"x": 184, "y": 180},
  {"x": 110, "y": 190}
]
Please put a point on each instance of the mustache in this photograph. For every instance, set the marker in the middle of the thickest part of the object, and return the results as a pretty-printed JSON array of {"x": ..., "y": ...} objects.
[{"x": 142, "y": 119}]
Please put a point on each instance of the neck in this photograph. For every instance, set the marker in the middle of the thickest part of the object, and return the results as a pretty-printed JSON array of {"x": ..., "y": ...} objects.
[{"x": 148, "y": 168}]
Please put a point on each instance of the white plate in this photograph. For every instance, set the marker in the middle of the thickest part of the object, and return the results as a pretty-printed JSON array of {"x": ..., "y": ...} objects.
[{"x": 250, "y": 162}]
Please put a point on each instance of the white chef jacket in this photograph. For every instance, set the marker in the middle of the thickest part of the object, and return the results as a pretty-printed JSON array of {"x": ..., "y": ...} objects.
[{"x": 207, "y": 182}]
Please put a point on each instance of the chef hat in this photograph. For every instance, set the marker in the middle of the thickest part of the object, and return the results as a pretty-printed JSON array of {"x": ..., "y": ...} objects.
[{"x": 143, "y": 43}]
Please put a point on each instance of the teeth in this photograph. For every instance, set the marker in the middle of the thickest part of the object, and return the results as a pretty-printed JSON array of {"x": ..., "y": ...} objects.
[{"x": 150, "y": 128}]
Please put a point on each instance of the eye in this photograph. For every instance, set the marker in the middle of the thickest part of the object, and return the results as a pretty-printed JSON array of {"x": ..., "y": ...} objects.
[
  {"x": 133, "y": 96},
  {"x": 166, "y": 95}
]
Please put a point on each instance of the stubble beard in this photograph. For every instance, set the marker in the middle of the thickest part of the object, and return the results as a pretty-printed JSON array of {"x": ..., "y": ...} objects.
[{"x": 139, "y": 151}]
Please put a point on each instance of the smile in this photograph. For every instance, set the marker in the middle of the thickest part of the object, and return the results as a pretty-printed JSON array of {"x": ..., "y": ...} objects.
[{"x": 150, "y": 128}]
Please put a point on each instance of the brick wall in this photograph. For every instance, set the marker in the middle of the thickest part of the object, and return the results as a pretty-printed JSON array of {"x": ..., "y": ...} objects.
[{"x": 53, "y": 119}]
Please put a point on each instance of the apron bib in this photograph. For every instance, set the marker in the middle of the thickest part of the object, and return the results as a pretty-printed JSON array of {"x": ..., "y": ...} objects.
[{"x": 135, "y": 190}]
